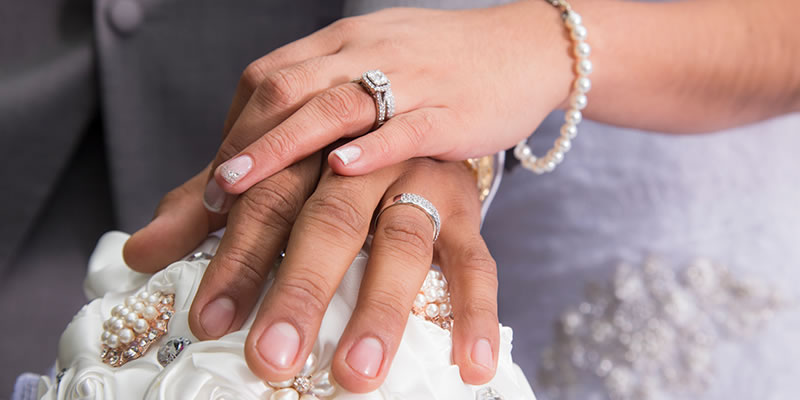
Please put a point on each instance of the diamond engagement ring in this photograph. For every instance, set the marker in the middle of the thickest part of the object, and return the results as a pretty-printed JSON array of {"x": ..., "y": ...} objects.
[
  {"x": 377, "y": 84},
  {"x": 420, "y": 203}
]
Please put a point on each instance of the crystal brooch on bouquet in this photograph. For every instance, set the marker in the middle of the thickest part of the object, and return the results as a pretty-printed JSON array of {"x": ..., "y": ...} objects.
[{"x": 134, "y": 326}]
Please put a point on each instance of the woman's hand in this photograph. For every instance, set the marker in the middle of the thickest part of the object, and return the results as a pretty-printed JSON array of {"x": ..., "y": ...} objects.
[
  {"x": 464, "y": 82},
  {"x": 327, "y": 232}
]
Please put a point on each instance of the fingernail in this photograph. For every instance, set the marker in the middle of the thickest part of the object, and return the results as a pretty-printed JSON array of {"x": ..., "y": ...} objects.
[
  {"x": 482, "y": 353},
  {"x": 366, "y": 357},
  {"x": 348, "y": 154},
  {"x": 214, "y": 196},
  {"x": 279, "y": 345},
  {"x": 217, "y": 316},
  {"x": 236, "y": 168}
]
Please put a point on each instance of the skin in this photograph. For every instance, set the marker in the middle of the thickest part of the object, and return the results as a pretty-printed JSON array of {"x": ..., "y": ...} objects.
[{"x": 486, "y": 81}]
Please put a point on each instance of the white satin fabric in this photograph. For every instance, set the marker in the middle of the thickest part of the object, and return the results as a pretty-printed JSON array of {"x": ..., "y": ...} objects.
[{"x": 216, "y": 369}]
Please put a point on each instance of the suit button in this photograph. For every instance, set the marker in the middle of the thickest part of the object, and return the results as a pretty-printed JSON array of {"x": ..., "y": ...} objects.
[{"x": 125, "y": 15}]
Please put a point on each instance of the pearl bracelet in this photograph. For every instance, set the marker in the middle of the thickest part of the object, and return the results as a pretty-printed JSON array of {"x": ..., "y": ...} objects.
[{"x": 577, "y": 102}]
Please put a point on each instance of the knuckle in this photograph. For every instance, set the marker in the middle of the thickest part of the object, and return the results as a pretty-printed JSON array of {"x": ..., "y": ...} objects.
[
  {"x": 279, "y": 144},
  {"x": 272, "y": 204},
  {"x": 386, "y": 307},
  {"x": 417, "y": 126},
  {"x": 282, "y": 88},
  {"x": 340, "y": 105},
  {"x": 480, "y": 265},
  {"x": 252, "y": 75},
  {"x": 350, "y": 26},
  {"x": 307, "y": 293},
  {"x": 478, "y": 308},
  {"x": 336, "y": 211},
  {"x": 410, "y": 235},
  {"x": 248, "y": 266}
]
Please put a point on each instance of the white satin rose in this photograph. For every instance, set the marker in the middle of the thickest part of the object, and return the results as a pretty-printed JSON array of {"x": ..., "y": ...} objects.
[{"x": 216, "y": 369}]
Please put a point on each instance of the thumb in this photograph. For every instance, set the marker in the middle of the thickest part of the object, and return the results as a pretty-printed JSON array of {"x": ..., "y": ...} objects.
[{"x": 181, "y": 222}]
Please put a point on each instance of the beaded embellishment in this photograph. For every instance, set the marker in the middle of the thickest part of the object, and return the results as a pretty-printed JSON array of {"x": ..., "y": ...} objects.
[
  {"x": 134, "y": 326},
  {"x": 652, "y": 333}
]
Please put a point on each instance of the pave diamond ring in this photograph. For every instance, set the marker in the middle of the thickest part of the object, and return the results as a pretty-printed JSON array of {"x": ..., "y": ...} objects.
[
  {"x": 377, "y": 84},
  {"x": 419, "y": 202}
]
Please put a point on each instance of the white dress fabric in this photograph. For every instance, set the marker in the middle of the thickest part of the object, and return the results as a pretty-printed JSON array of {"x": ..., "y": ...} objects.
[
  {"x": 216, "y": 369},
  {"x": 655, "y": 266}
]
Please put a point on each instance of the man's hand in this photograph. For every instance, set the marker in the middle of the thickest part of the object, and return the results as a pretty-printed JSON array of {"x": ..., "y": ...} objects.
[{"x": 327, "y": 232}]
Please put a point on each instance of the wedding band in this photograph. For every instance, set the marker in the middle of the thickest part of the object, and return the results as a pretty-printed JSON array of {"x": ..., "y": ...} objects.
[
  {"x": 377, "y": 84},
  {"x": 420, "y": 203}
]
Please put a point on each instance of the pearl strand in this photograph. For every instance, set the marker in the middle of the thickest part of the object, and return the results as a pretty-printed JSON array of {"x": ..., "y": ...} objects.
[{"x": 577, "y": 99}]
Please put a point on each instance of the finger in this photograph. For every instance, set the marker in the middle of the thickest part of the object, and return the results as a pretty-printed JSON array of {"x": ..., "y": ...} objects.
[
  {"x": 180, "y": 224},
  {"x": 342, "y": 110},
  {"x": 327, "y": 236},
  {"x": 400, "y": 257},
  {"x": 472, "y": 272},
  {"x": 422, "y": 132},
  {"x": 277, "y": 96},
  {"x": 320, "y": 43},
  {"x": 258, "y": 226}
]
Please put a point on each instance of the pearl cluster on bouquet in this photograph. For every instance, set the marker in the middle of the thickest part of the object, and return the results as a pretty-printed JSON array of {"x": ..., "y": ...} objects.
[
  {"x": 312, "y": 383},
  {"x": 577, "y": 99},
  {"x": 134, "y": 326},
  {"x": 433, "y": 301}
]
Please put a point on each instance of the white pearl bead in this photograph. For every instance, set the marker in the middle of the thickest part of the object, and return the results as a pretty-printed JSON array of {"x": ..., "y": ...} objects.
[
  {"x": 439, "y": 293},
  {"x": 153, "y": 299},
  {"x": 579, "y": 101},
  {"x": 522, "y": 152},
  {"x": 140, "y": 326},
  {"x": 573, "y": 117},
  {"x": 116, "y": 309},
  {"x": 439, "y": 283},
  {"x": 444, "y": 309},
  {"x": 583, "y": 84},
  {"x": 432, "y": 310},
  {"x": 107, "y": 324},
  {"x": 150, "y": 313},
  {"x": 550, "y": 166},
  {"x": 430, "y": 294},
  {"x": 420, "y": 301},
  {"x": 104, "y": 336},
  {"x": 138, "y": 307},
  {"x": 569, "y": 131},
  {"x": 573, "y": 19},
  {"x": 285, "y": 394},
  {"x": 117, "y": 324},
  {"x": 555, "y": 156},
  {"x": 579, "y": 32},
  {"x": 434, "y": 274},
  {"x": 131, "y": 319},
  {"x": 113, "y": 341},
  {"x": 143, "y": 295},
  {"x": 583, "y": 50},
  {"x": 563, "y": 143},
  {"x": 126, "y": 336},
  {"x": 585, "y": 66},
  {"x": 130, "y": 300},
  {"x": 530, "y": 163},
  {"x": 124, "y": 311}
]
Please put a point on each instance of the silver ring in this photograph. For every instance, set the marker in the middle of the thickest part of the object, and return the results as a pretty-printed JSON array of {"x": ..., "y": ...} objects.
[
  {"x": 377, "y": 84},
  {"x": 420, "y": 203}
]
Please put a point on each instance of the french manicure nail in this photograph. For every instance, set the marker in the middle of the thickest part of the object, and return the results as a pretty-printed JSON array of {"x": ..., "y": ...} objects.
[
  {"x": 214, "y": 196},
  {"x": 366, "y": 357},
  {"x": 347, "y": 154},
  {"x": 217, "y": 316},
  {"x": 236, "y": 168},
  {"x": 482, "y": 353},
  {"x": 279, "y": 345}
]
